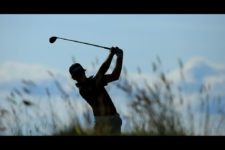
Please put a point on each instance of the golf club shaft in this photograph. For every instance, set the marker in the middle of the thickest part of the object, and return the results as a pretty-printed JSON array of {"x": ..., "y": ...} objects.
[{"x": 85, "y": 43}]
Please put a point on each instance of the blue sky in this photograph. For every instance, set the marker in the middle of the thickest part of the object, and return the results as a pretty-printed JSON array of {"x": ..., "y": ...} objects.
[
  {"x": 24, "y": 38},
  {"x": 27, "y": 54}
]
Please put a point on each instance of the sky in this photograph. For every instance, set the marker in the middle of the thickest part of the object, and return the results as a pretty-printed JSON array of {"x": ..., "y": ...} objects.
[
  {"x": 24, "y": 38},
  {"x": 25, "y": 53}
]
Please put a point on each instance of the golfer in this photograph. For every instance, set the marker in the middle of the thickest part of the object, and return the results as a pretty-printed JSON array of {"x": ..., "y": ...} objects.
[{"x": 92, "y": 89}]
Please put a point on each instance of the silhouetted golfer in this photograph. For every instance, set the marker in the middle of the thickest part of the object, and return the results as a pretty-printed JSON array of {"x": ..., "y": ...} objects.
[{"x": 107, "y": 119}]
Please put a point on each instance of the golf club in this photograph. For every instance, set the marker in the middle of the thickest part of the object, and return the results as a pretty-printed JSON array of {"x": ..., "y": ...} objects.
[{"x": 54, "y": 38}]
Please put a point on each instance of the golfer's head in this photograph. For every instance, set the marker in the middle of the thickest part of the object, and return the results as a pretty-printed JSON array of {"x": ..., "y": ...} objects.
[{"x": 76, "y": 71}]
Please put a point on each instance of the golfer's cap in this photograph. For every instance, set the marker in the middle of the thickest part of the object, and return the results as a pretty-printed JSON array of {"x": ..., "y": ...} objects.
[{"x": 76, "y": 68}]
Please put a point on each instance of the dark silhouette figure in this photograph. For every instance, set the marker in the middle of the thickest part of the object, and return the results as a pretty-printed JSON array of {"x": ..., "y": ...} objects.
[{"x": 107, "y": 119}]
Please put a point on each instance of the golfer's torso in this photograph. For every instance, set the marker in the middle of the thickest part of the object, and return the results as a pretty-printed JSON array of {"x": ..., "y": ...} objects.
[{"x": 97, "y": 98}]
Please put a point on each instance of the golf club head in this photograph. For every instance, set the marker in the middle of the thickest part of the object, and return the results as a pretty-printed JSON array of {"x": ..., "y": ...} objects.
[{"x": 52, "y": 39}]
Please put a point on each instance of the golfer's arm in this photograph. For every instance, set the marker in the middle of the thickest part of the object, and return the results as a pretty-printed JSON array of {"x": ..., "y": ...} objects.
[
  {"x": 117, "y": 70},
  {"x": 104, "y": 67}
]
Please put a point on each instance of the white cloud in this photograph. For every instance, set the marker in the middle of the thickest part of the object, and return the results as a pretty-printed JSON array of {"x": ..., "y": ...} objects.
[
  {"x": 10, "y": 71},
  {"x": 214, "y": 80},
  {"x": 198, "y": 71},
  {"x": 216, "y": 83},
  {"x": 197, "y": 65}
]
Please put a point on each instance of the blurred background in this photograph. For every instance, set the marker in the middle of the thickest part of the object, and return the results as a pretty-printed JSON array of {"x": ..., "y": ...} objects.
[{"x": 172, "y": 82}]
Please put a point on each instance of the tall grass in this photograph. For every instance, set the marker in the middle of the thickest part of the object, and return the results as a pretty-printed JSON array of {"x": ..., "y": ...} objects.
[
  {"x": 153, "y": 104},
  {"x": 153, "y": 108}
]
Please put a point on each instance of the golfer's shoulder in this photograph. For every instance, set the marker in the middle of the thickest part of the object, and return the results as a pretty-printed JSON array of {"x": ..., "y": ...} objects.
[
  {"x": 91, "y": 79},
  {"x": 101, "y": 82}
]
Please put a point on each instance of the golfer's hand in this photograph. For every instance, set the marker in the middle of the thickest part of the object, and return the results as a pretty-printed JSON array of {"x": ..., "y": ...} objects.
[
  {"x": 113, "y": 50},
  {"x": 119, "y": 52}
]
